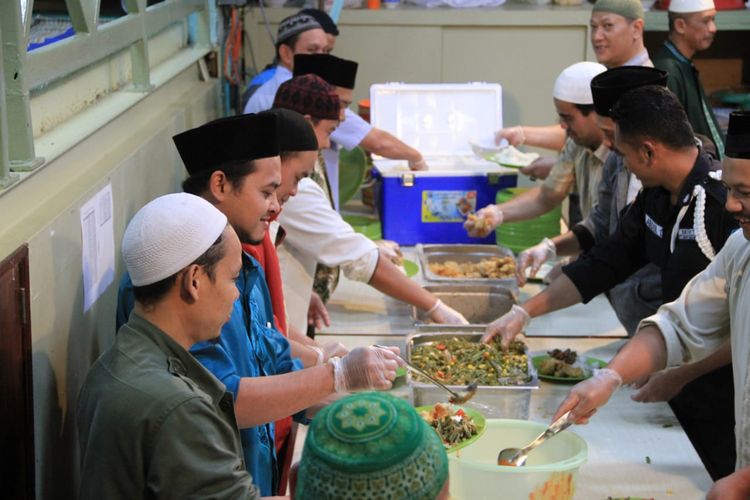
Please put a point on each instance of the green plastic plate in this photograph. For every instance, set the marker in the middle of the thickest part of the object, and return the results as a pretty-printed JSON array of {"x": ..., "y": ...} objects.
[
  {"x": 410, "y": 267},
  {"x": 400, "y": 371},
  {"x": 590, "y": 362},
  {"x": 352, "y": 168},
  {"x": 367, "y": 226},
  {"x": 475, "y": 415}
]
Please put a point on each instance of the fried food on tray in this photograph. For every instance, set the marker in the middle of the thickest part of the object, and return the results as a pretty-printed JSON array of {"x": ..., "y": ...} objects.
[
  {"x": 495, "y": 267},
  {"x": 481, "y": 225},
  {"x": 557, "y": 368},
  {"x": 567, "y": 355}
]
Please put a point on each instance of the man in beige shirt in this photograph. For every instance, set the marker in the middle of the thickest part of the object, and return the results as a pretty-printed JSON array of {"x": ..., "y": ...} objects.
[{"x": 579, "y": 162}]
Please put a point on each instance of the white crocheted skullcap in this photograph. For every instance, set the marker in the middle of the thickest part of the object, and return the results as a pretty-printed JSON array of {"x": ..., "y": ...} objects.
[
  {"x": 689, "y": 6},
  {"x": 168, "y": 234},
  {"x": 574, "y": 83}
]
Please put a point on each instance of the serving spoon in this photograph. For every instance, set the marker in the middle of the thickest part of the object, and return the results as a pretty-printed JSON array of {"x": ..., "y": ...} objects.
[
  {"x": 455, "y": 398},
  {"x": 516, "y": 458}
]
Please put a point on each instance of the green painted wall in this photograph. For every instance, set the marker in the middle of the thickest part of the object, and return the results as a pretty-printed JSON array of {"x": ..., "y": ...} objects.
[{"x": 135, "y": 153}]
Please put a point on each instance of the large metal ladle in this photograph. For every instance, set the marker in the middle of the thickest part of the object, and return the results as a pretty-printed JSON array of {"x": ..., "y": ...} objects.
[
  {"x": 514, "y": 457},
  {"x": 456, "y": 398}
]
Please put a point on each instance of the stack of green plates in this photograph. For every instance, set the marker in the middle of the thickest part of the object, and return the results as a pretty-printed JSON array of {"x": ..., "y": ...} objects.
[
  {"x": 519, "y": 236},
  {"x": 352, "y": 167},
  {"x": 369, "y": 226}
]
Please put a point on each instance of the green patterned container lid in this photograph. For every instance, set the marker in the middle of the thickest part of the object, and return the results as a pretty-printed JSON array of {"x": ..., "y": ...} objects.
[{"x": 371, "y": 445}]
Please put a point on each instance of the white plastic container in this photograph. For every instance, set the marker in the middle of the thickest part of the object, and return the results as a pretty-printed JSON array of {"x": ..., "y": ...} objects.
[
  {"x": 439, "y": 120},
  {"x": 551, "y": 468}
]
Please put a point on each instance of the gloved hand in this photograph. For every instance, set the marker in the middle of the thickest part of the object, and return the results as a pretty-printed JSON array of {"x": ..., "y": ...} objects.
[
  {"x": 419, "y": 164},
  {"x": 317, "y": 313},
  {"x": 533, "y": 258},
  {"x": 514, "y": 135},
  {"x": 333, "y": 348},
  {"x": 391, "y": 251},
  {"x": 484, "y": 221},
  {"x": 586, "y": 397},
  {"x": 659, "y": 386},
  {"x": 539, "y": 168},
  {"x": 507, "y": 326},
  {"x": 441, "y": 313},
  {"x": 365, "y": 368}
]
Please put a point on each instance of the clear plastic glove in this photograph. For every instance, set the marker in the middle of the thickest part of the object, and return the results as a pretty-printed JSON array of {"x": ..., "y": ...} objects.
[
  {"x": 441, "y": 313},
  {"x": 586, "y": 397},
  {"x": 659, "y": 386},
  {"x": 366, "y": 368},
  {"x": 533, "y": 258},
  {"x": 507, "y": 326},
  {"x": 391, "y": 251},
  {"x": 317, "y": 313},
  {"x": 333, "y": 348},
  {"x": 514, "y": 135},
  {"x": 420, "y": 164},
  {"x": 539, "y": 168},
  {"x": 483, "y": 222}
]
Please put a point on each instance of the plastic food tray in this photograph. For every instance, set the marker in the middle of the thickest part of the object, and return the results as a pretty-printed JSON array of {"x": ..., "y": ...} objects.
[
  {"x": 463, "y": 253},
  {"x": 492, "y": 401},
  {"x": 479, "y": 303}
]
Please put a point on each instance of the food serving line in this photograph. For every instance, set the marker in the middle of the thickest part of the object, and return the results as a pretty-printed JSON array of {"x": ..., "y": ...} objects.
[{"x": 637, "y": 450}]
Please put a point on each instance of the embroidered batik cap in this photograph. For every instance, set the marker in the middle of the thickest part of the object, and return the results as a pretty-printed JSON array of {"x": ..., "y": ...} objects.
[
  {"x": 371, "y": 445},
  {"x": 309, "y": 95},
  {"x": 294, "y": 25}
]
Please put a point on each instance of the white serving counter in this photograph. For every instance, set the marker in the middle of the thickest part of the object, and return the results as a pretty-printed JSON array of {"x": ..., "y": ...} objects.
[{"x": 636, "y": 450}]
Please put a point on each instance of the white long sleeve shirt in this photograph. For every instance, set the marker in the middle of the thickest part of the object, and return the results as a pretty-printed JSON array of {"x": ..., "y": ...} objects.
[
  {"x": 315, "y": 233},
  {"x": 713, "y": 307}
]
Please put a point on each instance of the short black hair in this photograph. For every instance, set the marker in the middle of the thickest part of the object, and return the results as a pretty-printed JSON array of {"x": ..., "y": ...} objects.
[
  {"x": 585, "y": 109},
  {"x": 672, "y": 17},
  {"x": 289, "y": 42},
  {"x": 653, "y": 112},
  {"x": 151, "y": 294},
  {"x": 235, "y": 171}
]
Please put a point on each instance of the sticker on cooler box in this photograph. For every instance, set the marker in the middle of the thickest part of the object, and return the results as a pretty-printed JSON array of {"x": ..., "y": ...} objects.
[{"x": 447, "y": 206}]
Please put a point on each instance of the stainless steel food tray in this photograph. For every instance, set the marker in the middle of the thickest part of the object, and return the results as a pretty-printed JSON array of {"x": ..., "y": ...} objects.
[
  {"x": 491, "y": 401},
  {"x": 462, "y": 253},
  {"x": 479, "y": 303}
]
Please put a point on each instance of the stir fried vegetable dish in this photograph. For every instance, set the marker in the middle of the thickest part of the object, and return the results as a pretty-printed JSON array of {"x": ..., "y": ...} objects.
[
  {"x": 451, "y": 423},
  {"x": 457, "y": 361}
]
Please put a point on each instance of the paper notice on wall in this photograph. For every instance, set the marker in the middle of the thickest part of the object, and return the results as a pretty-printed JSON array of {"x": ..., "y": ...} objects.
[{"x": 97, "y": 245}]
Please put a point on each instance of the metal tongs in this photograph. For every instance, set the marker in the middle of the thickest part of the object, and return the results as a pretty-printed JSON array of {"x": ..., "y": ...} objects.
[{"x": 456, "y": 398}]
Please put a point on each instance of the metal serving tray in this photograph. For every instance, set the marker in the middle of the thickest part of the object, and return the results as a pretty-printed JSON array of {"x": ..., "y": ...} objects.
[
  {"x": 492, "y": 401},
  {"x": 480, "y": 304},
  {"x": 462, "y": 253}
]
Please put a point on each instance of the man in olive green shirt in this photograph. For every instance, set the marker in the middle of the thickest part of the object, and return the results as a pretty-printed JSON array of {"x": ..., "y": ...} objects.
[
  {"x": 152, "y": 421},
  {"x": 692, "y": 28}
]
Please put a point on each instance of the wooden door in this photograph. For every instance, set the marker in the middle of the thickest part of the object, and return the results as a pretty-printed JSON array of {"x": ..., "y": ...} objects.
[{"x": 16, "y": 391}]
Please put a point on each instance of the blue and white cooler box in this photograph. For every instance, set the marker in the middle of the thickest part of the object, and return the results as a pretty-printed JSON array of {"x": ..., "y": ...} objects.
[{"x": 438, "y": 120}]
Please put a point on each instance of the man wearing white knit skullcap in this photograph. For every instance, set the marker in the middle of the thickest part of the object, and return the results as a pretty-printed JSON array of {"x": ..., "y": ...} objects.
[
  {"x": 577, "y": 169},
  {"x": 692, "y": 28},
  {"x": 147, "y": 388}
]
